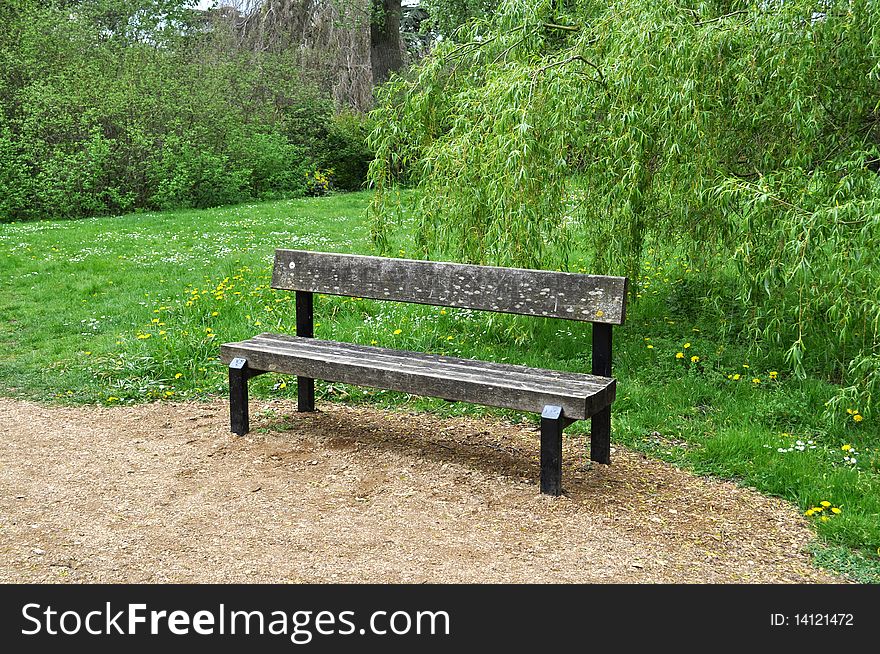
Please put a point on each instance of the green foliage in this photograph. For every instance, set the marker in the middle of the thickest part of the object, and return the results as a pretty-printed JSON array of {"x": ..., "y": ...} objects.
[
  {"x": 346, "y": 151},
  {"x": 185, "y": 176},
  {"x": 843, "y": 560},
  {"x": 109, "y": 106},
  {"x": 319, "y": 182},
  {"x": 745, "y": 134}
]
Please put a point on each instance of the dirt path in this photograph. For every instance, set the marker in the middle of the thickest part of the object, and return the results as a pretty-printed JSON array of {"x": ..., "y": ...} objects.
[{"x": 163, "y": 493}]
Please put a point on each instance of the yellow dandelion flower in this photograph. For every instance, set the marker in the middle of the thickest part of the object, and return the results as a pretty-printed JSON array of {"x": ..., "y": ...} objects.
[
  {"x": 687, "y": 345},
  {"x": 373, "y": 342},
  {"x": 112, "y": 399},
  {"x": 442, "y": 312},
  {"x": 178, "y": 375},
  {"x": 773, "y": 374},
  {"x": 850, "y": 411},
  {"x": 825, "y": 503},
  {"x": 695, "y": 359},
  {"x": 846, "y": 448},
  {"x": 835, "y": 510},
  {"x": 679, "y": 355},
  {"x": 736, "y": 377},
  {"x": 650, "y": 347},
  {"x": 215, "y": 313},
  {"x": 398, "y": 331},
  {"x": 857, "y": 417},
  {"x": 756, "y": 381},
  {"x": 824, "y": 518},
  {"x": 809, "y": 512}
]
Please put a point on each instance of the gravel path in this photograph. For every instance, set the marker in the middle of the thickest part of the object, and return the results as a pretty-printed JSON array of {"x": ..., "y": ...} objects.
[{"x": 164, "y": 493}]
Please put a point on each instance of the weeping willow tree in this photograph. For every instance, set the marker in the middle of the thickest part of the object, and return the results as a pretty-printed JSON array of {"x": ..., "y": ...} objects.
[{"x": 745, "y": 134}]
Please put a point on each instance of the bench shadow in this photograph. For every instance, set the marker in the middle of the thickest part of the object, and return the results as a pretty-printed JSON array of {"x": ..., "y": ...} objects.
[{"x": 495, "y": 448}]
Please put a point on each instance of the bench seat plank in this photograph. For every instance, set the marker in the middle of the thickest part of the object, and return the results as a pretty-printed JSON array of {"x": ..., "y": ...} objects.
[{"x": 478, "y": 382}]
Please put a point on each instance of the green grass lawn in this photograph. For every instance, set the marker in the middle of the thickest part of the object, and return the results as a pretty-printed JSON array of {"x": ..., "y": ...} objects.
[{"x": 134, "y": 308}]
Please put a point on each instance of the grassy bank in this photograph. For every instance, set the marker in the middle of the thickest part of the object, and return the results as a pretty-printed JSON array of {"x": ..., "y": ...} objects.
[{"x": 134, "y": 308}]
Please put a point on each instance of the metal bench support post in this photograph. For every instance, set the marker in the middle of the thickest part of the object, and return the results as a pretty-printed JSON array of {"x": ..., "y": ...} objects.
[
  {"x": 238, "y": 396},
  {"x": 305, "y": 327},
  {"x": 600, "y": 429},
  {"x": 552, "y": 424}
]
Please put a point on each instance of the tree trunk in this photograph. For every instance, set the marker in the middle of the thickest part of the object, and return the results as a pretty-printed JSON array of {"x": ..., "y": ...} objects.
[{"x": 385, "y": 55}]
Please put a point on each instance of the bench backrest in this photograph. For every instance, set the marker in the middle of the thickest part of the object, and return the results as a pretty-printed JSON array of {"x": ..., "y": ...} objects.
[{"x": 588, "y": 298}]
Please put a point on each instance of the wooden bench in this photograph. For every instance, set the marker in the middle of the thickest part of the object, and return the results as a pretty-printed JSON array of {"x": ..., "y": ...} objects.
[{"x": 560, "y": 397}]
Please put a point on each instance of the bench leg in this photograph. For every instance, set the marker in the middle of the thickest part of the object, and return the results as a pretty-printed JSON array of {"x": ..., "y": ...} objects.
[
  {"x": 305, "y": 394},
  {"x": 600, "y": 436},
  {"x": 552, "y": 424},
  {"x": 305, "y": 328},
  {"x": 238, "y": 396}
]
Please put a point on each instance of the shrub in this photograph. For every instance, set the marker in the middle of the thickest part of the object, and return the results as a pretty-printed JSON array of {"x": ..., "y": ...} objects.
[
  {"x": 346, "y": 151},
  {"x": 277, "y": 167},
  {"x": 149, "y": 111},
  {"x": 319, "y": 182},
  {"x": 16, "y": 185},
  {"x": 186, "y": 176}
]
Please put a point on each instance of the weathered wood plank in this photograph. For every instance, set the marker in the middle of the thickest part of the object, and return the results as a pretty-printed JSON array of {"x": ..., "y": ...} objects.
[
  {"x": 418, "y": 362},
  {"x": 589, "y": 298},
  {"x": 404, "y": 365},
  {"x": 493, "y": 384}
]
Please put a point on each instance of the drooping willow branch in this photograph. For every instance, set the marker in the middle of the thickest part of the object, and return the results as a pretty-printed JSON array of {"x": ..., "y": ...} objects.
[
  {"x": 464, "y": 48},
  {"x": 721, "y": 18},
  {"x": 568, "y": 60}
]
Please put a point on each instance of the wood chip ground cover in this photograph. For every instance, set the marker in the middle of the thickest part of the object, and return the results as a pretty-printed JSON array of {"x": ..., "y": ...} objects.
[{"x": 164, "y": 493}]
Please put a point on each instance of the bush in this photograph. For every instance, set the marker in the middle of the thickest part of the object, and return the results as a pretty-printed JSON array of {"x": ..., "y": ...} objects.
[
  {"x": 319, "y": 182},
  {"x": 97, "y": 119},
  {"x": 185, "y": 176},
  {"x": 346, "y": 150},
  {"x": 277, "y": 167},
  {"x": 16, "y": 185}
]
